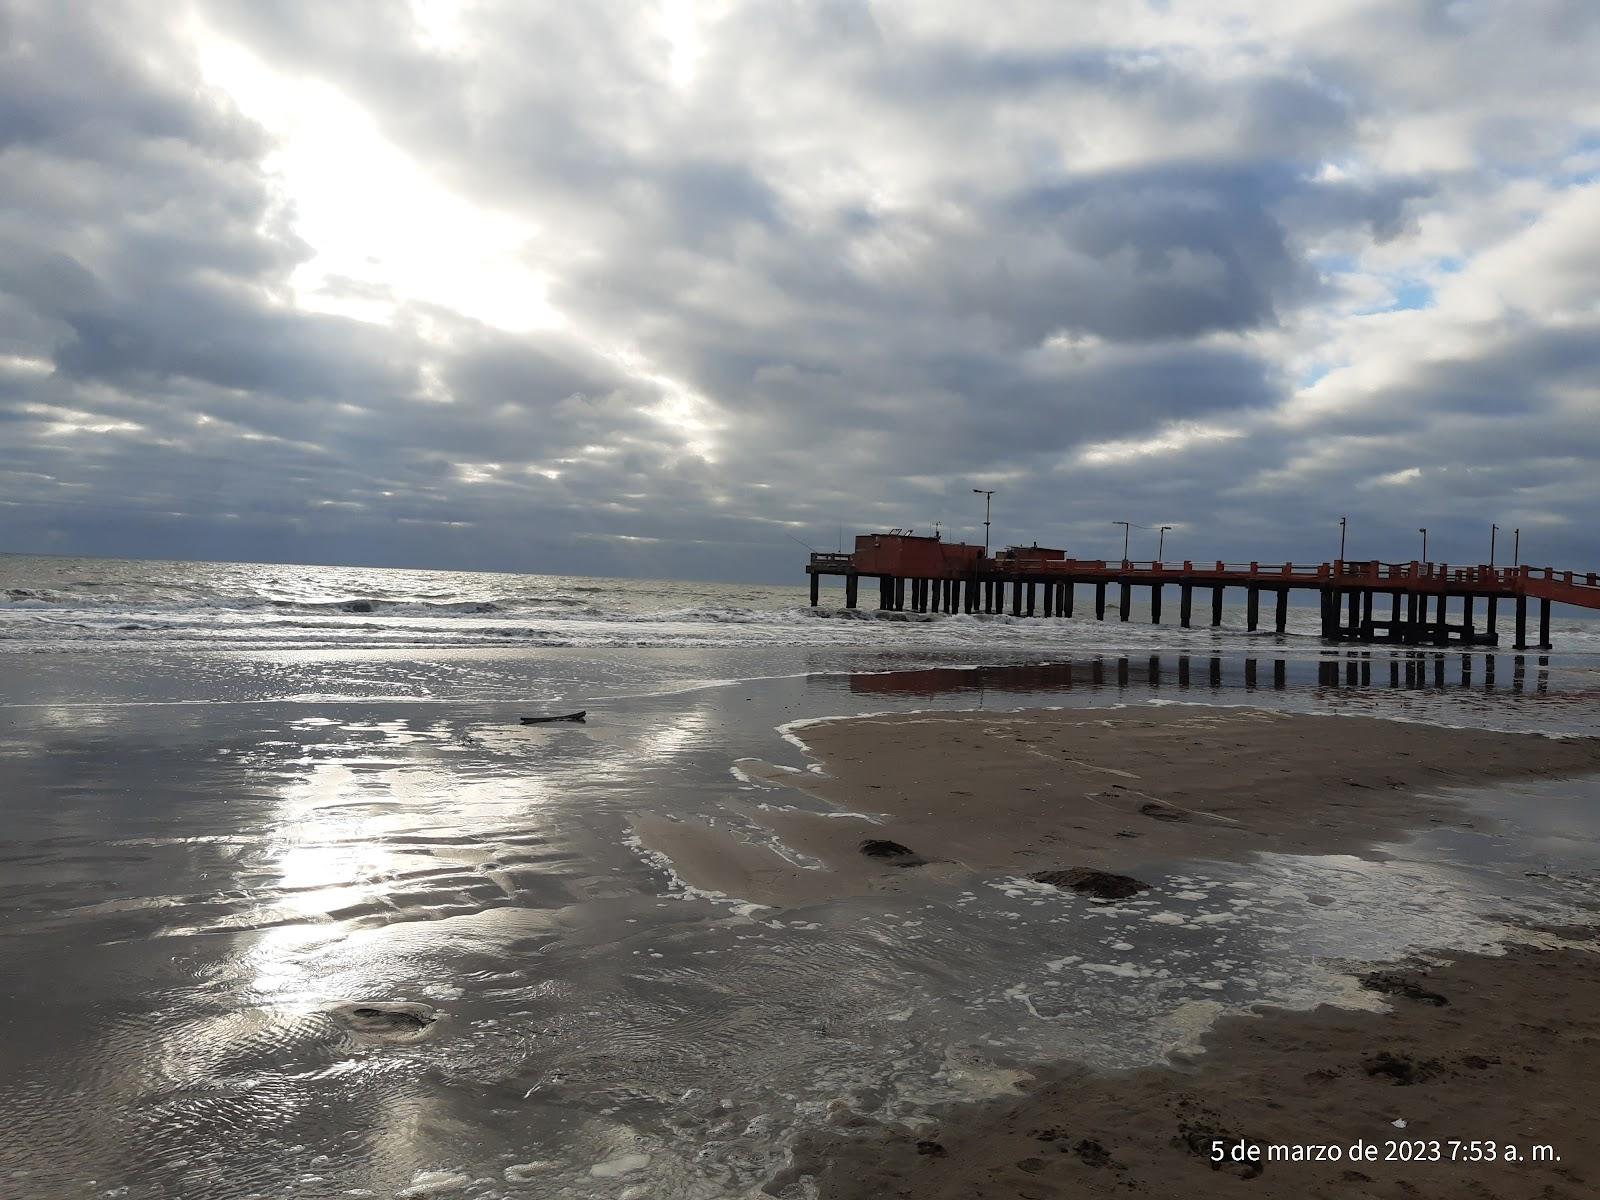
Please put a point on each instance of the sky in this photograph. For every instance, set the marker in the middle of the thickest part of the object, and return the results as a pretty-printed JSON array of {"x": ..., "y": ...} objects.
[{"x": 677, "y": 289}]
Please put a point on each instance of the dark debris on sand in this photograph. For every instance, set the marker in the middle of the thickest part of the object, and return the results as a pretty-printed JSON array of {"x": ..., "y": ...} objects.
[
  {"x": 1102, "y": 885},
  {"x": 1393, "y": 983},
  {"x": 892, "y": 852}
]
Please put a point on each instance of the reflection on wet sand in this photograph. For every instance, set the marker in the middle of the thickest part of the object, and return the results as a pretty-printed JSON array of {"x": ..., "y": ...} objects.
[{"x": 1415, "y": 671}]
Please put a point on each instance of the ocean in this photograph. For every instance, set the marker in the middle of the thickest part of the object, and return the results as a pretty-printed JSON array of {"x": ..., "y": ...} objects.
[{"x": 241, "y": 800}]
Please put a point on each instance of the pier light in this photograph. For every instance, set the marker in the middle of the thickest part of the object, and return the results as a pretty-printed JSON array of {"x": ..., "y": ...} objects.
[
  {"x": 1126, "y": 525},
  {"x": 1161, "y": 540},
  {"x": 987, "y": 494},
  {"x": 1424, "y": 534}
]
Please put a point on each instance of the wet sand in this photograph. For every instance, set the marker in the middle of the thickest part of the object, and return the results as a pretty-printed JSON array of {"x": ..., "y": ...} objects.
[
  {"x": 1488, "y": 1049},
  {"x": 1472, "y": 1048},
  {"x": 1108, "y": 789}
]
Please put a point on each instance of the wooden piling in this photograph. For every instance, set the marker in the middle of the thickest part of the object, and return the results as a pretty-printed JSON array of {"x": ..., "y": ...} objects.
[
  {"x": 1155, "y": 604},
  {"x": 1283, "y": 610},
  {"x": 1125, "y": 600},
  {"x": 1252, "y": 607},
  {"x": 1544, "y": 624},
  {"x": 1216, "y": 606},
  {"x": 1031, "y": 590},
  {"x": 1100, "y": 600},
  {"x": 1185, "y": 604},
  {"x": 816, "y": 584}
]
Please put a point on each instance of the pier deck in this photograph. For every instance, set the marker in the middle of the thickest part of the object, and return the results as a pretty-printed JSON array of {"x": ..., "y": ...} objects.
[{"x": 926, "y": 575}]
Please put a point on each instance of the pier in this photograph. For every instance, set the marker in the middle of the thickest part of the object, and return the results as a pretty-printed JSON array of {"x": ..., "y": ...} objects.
[{"x": 1415, "y": 603}]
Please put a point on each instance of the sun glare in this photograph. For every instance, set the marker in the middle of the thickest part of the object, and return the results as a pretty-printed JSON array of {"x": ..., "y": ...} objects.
[{"x": 382, "y": 231}]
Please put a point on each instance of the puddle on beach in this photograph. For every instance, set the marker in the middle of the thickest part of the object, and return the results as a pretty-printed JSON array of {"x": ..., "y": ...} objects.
[{"x": 300, "y": 948}]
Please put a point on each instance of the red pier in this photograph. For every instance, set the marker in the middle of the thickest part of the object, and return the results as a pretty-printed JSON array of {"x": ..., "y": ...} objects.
[{"x": 925, "y": 574}]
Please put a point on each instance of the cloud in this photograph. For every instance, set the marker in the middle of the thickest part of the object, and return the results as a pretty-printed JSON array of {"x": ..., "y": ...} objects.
[{"x": 605, "y": 287}]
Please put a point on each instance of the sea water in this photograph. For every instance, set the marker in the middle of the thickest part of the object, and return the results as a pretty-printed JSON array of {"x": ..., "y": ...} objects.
[{"x": 238, "y": 801}]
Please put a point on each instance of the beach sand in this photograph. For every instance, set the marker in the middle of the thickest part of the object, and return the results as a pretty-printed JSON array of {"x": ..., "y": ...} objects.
[
  {"x": 1472, "y": 1048},
  {"x": 1028, "y": 792},
  {"x": 1488, "y": 1049}
]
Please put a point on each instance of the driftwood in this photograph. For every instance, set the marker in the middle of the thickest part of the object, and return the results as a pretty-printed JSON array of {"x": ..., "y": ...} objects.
[{"x": 572, "y": 716}]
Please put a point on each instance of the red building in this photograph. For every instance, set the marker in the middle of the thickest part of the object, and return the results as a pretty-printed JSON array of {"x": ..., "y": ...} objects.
[{"x": 907, "y": 556}]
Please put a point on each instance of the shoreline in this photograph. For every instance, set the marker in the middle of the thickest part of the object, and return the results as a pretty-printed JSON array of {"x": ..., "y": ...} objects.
[
  {"x": 963, "y": 793},
  {"x": 1458, "y": 1046}
]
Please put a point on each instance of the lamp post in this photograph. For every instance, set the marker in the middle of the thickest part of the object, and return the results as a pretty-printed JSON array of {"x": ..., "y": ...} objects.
[
  {"x": 987, "y": 495},
  {"x": 1493, "y": 529},
  {"x": 1516, "y": 546},
  {"x": 1343, "y": 521},
  {"x": 1126, "y": 525},
  {"x": 1424, "y": 534},
  {"x": 1161, "y": 540}
]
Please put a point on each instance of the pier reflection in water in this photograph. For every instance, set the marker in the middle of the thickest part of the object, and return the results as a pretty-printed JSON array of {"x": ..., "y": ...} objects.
[{"x": 1418, "y": 671}]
